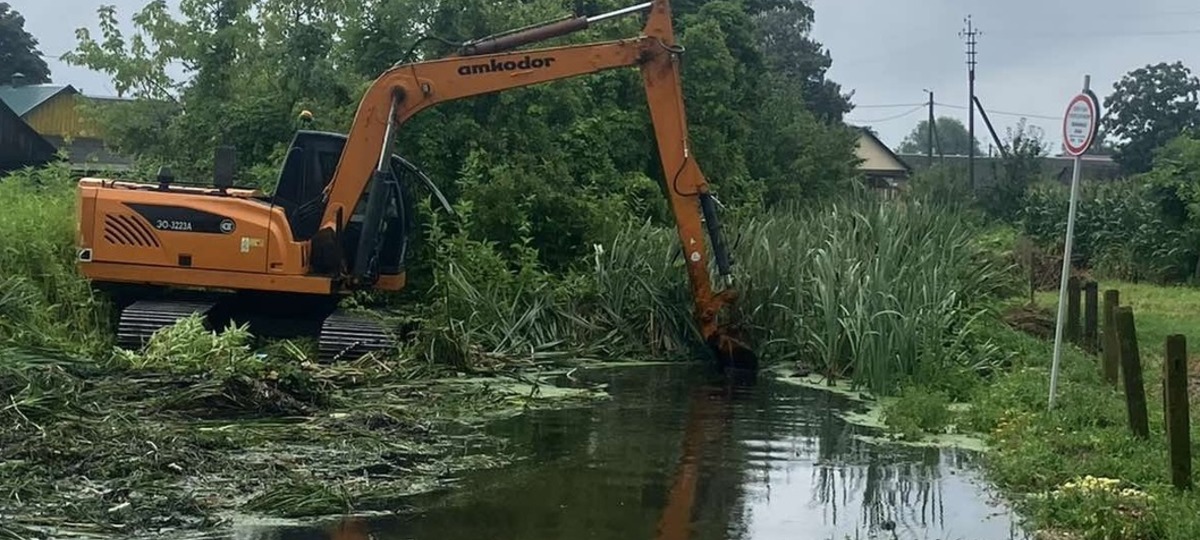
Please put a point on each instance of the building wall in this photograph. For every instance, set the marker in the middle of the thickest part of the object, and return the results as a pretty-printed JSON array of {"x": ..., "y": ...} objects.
[
  {"x": 988, "y": 169},
  {"x": 876, "y": 158},
  {"x": 20, "y": 146},
  {"x": 60, "y": 117}
]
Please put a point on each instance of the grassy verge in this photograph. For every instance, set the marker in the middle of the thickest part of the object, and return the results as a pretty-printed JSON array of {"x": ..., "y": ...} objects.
[
  {"x": 1051, "y": 455},
  {"x": 1075, "y": 472}
]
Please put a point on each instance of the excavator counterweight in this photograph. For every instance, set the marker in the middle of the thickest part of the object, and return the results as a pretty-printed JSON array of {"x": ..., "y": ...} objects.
[{"x": 341, "y": 215}]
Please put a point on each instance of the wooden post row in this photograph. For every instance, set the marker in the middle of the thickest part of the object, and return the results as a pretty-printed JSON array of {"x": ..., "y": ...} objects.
[
  {"x": 1179, "y": 443},
  {"x": 1131, "y": 370},
  {"x": 1111, "y": 344},
  {"x": 1073, "y": 310},
  {"x": 1091, "y": 310}
]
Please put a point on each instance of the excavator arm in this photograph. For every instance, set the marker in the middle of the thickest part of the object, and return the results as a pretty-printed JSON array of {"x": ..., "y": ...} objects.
[{"x": 489, "y": 66}]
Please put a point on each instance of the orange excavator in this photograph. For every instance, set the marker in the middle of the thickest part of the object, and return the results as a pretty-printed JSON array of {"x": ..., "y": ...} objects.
[{"x": 340, "y": 217}]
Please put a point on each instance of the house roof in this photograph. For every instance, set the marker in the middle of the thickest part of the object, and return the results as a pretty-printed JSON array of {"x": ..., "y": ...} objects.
[
  {"x": 873, "y": 165},
  {"x": 23, "y": 99},
  {"x": 20, "y": 145}
]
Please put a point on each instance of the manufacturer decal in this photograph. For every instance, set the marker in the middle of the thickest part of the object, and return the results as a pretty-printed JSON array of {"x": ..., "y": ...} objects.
[
  {"x": 181, "y": 219},
  {"x": 249, "y": 243},
  {"x": 497, "y": 66}
]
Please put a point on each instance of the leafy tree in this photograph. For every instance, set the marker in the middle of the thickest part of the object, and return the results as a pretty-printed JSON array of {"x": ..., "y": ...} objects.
[
  {"x": 18, "y": 50},
  {"x": 804, "y": 158},
  {"x": 783, "y": 29},
  {"x": 1149, "y": 107},
  {"x": 245, "y": 92},
  {"x": 1025, "y": 146},
  {"x": 1174, "y": 187},
  {"x": 953, "y": 139}
]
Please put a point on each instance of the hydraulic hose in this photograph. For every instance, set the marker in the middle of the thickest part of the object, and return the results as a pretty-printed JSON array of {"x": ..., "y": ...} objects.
[{"x": 709, "y": 207}]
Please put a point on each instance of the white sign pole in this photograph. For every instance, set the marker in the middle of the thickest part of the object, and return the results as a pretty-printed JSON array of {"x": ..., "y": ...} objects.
[{"x": 1077, "y": 148}]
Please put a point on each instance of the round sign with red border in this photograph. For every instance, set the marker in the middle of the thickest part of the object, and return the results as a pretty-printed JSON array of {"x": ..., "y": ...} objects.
[{"x": 1080, "y": 124}]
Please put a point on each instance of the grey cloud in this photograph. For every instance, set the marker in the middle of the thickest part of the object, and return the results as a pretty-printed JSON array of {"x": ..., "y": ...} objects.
[{"x": 1033, "y": 53}]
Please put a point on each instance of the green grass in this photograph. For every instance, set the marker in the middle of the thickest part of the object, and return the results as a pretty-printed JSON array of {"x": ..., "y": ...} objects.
[
  {"x": 1044, "y": 458},
  {"x": 44, "y": 302},
  {"x": 1159, "y": 311}
]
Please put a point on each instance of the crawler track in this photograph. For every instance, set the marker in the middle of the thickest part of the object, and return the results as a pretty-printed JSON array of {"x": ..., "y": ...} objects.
[
  {"x": 345, "y": 336},
  {"x": 141, "y": 319},
  {"x": 342, "y": 336}
]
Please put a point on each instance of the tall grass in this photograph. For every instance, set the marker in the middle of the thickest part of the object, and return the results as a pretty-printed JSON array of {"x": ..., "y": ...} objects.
[
  {"x": 44, "y": 301},
  {"x": 628, "y": 300},
  {"x": 879, "y": 292},
  {"x": 882, "y": 293}
]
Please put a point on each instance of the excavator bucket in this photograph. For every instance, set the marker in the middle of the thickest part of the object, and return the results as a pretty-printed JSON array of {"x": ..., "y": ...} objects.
[{"x": 732, "y": 352}]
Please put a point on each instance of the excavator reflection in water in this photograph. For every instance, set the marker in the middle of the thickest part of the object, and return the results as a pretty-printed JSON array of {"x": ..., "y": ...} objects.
[
  {"x": 340, "y": 217},
  {"x": 710, "y": 412}
]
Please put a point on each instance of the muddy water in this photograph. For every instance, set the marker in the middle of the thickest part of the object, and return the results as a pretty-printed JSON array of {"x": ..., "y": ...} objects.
[{"x": 678, "y": 455}]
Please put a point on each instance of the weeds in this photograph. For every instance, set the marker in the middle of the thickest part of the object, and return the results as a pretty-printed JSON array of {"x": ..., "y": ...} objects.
[
  {"x": 918, "y": 411},
  {"x": 628, "y": 300},
  {"x": 44, "y": 302},
  {"x": 105, "y": 451},
  {"x": 189, "y": 348}
]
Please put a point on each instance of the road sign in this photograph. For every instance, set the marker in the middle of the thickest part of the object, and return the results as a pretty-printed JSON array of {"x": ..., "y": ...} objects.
[
  {"x": 1080, "y": 124},
  {"x": 1079, "y": 132}
]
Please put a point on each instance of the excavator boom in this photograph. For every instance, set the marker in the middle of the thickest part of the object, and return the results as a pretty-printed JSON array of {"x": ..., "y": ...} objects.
[{"x": 489, "y": 66}]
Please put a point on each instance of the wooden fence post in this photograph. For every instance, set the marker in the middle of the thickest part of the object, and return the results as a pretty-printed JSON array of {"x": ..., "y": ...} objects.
[
  {"x": 1091, "y": 309},
  {"x": 1110, "y": 344},
  {"x": 1179, "y": 441},
  {"x": 1073, "y": 310},
  {"x": 1131, "y": 370}
]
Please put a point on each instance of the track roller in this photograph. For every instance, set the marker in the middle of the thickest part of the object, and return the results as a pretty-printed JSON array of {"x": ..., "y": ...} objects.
[
  {"x": 142, "y": 319},
  {"x": 345, "y": 336}
]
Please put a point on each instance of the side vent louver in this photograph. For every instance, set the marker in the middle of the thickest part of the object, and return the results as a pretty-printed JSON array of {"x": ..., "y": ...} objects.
[{"x": 126, "y": 230}]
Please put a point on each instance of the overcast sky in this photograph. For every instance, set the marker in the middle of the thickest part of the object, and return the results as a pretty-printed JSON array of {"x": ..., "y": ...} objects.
[{"x": 1033, "y": 54}]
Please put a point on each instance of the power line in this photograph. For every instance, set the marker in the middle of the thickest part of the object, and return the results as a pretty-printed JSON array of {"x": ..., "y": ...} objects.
[
  {"x": 890, "y": 118},
  {"x": 1005, "y": 113},
  {"x": 1101, "y": 34},
  {"x": 890, "y": 106}
]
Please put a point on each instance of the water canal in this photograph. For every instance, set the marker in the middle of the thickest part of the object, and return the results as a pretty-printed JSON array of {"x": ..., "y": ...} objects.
[{"x": 676, "y": 454}]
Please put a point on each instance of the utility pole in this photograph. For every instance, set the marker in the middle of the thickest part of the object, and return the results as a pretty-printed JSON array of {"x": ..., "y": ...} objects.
[
  {"x": 931, "y": 127},
  {"x": 971, "y": 35}
]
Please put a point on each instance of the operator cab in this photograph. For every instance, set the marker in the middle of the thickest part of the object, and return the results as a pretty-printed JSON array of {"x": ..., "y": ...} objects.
[{"x": 311, "y": 162}]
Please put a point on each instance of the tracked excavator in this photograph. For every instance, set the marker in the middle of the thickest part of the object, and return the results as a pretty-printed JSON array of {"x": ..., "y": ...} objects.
[{"x": 340, "y": 217}]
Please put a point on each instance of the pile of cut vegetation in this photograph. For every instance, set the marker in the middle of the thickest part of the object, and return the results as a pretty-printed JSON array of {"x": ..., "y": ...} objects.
[{"x": 198, "y": 425}]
